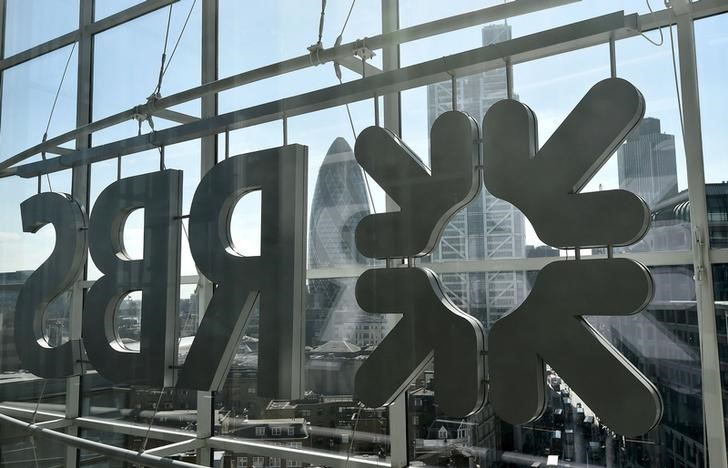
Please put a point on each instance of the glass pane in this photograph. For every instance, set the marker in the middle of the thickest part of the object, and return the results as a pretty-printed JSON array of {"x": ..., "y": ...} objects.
[
  {"x": 104, "y": 8},
  {"x": 20, "y": 450},
  {"x": 415, "y": 12},
  {"x": 250, "y": 39},
  {"x": 29, "y": 105},
  {"x": 274, "y": 31},
  {"x": 712, "y": 59},
  {"x": 29, "y": 23},
  {"x": 127, "y": 63}
]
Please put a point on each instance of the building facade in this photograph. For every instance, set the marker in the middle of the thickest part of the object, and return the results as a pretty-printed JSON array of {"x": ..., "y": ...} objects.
[{"x": 647, "y": 163}]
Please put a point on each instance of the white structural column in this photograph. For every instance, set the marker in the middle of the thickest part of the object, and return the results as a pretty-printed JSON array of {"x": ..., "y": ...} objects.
[
  {"x": 205, "y": 400},
  {"x": 393, "y": 121},
  {"x": 711, "y": 385},
  {"x": 80, "y": 191}
]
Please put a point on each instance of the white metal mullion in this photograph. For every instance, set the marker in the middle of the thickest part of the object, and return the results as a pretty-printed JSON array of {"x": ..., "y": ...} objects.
[
  {"x": 393, "y": 121},
  {"x": 80, "y": 192},
  {"x": 710, "y": 362},
  {"x": 208, "y": 159}
]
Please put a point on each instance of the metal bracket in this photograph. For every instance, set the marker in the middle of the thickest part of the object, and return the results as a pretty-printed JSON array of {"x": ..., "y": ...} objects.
[
  {"x": 362, "y": 51},
  {"x": 313, "y": 51},
  {"x": 699, "y": 241}
]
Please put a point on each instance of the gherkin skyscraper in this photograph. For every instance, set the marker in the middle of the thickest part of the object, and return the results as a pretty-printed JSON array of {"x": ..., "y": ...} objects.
[{"x": 341, "y": 199}]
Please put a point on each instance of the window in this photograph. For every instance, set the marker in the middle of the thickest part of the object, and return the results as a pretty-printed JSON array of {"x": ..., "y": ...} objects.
[{"x": 487, "y": 258}]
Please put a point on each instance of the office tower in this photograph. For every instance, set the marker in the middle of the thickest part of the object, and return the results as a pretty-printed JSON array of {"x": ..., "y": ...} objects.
[
  {"x": 487, "y": 227},
  {"x": 646, "y": 163},
  {"x": 340, "y": 200}
]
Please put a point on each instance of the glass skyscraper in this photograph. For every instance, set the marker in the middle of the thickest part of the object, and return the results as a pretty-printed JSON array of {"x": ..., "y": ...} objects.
[
  {"x": 646, "y": 163},
  {"x": 488, "y": 227},
  {"x": 340, "y": 200}
]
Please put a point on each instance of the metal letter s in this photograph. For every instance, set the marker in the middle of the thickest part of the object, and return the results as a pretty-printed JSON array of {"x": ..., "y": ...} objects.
[{"x": 54, "y": 276}]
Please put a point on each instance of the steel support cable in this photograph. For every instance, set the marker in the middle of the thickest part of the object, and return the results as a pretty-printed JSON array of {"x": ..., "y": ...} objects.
[
  {"x": 346, "y": 21},
  {"x": 316, "y": 47},
  {"x": 677, "y": 84},
  {"x": 110, "y": 451},
  {"x": 164, "y": 52},
  {"x": 165, "y": 62},
  {"x": 321, "y": 21},
  {"x": 674, "y": 63},
  {"x": 162, "y": 69},
  {"x": 179, "y": 37},
  {"x": 58, "y": 91},
  {"x": 353, "y": 435},
  {"x": 37, "y": 405},
  {"x": 53, "y": 109},
  {"x": 337, "y": 70},
  {"x": 143, "y": 446}
]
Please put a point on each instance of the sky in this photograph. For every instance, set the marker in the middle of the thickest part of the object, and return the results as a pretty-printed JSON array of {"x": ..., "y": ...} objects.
[{"x": 253, "y": 34}]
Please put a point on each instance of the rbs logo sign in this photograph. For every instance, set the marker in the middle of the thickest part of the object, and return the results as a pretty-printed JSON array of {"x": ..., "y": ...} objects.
[
  {"x": 277, "y": 276},
  {"x": 507, "y": 366}
]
